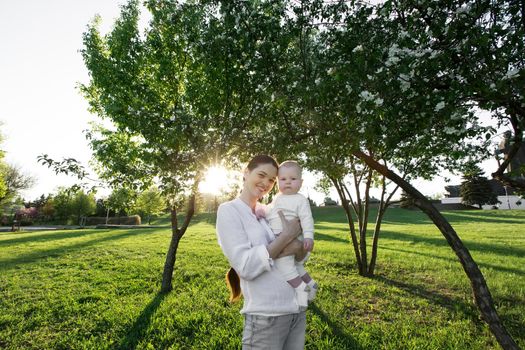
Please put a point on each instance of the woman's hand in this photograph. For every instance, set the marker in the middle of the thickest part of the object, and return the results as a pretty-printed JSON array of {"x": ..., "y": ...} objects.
[
  {"x": 296, "y": 248},
  {"x": 291, "y": 229},
  {"x": 308, "y": 244}
]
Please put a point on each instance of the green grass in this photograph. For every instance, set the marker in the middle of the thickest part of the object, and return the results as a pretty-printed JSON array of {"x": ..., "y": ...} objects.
[{"x": 98, "y": 289}]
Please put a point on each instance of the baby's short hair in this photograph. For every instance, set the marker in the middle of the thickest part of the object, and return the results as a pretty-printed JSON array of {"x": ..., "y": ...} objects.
[{"x": 291, "y": 164}]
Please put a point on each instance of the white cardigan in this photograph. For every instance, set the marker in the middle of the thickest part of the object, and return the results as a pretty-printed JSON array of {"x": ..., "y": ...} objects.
[
  {"x": 243, "y": 240},
  {"x": 292, "y": 206}
]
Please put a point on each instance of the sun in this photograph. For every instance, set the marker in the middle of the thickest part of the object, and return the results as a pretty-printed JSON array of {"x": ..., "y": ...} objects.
[{"x": 218, "y": 180}]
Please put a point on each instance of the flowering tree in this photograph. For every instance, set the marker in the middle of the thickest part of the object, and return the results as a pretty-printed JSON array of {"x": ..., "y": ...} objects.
[
  {"x": 473, "y": 50},
  {"x": 174, "y": 104},
  {"x": 345, "y": 88}
]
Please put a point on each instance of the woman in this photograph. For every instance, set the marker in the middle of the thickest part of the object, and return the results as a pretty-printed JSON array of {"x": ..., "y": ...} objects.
[{"x": 272, "y": 318}]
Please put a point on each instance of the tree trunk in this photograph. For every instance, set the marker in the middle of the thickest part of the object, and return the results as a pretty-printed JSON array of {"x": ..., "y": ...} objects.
[
  {"x": 176, "y": 235},
  {"x": 375, "y": 239},
  {"x": 169, "y": 265},
  {"x": 482, "y": 296},
  {"x": 514, "y": 182},
  {"x": 364, "y": 223},
  {"x": 351, "y": 225}
]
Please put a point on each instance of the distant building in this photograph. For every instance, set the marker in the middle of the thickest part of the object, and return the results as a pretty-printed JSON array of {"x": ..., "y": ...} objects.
[{"x": 506, "y": 197}]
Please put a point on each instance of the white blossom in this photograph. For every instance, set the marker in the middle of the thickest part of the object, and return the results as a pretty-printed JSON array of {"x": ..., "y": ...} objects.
[
  {"x": 367, "y": 96},
  {"x": 449, "y": 130},
  {"x": 439, "y": 106},
  {"x": 404, "y": 85},
  {"x": 511, "y": 73},
  {"x": 463, "y": 9},
  {"x": 403, "y": 34},
  {"x": 358, "y": 48},
  {"x": 391, "y": 60}
]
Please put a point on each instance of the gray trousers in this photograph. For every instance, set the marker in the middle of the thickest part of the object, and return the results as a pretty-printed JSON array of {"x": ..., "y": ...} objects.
[{"x": 285, "y": 332}]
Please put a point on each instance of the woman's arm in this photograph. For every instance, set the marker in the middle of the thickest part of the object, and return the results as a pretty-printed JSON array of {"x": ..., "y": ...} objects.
[
  {"x": 295, "y": 247},
  {"x": 249, "y": 261},
  {"x": 291, "y": 229}
]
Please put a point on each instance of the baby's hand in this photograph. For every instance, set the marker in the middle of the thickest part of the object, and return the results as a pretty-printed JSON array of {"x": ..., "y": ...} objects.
[
  {"x": 308, "y": 244},
  {"x": 260, "y": 211}
]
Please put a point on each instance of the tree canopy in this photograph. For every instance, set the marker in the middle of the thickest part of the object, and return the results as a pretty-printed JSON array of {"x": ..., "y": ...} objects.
[{"x": 345, "y": 87}]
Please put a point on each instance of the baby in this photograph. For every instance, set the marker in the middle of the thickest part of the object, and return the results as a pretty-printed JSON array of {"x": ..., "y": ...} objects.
[{"x": 293, "y": 205}]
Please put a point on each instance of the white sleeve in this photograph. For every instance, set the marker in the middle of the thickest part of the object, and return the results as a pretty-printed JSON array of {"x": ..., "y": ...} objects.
[
  {"x": 305, "y": 216},
  {"x": 249, "y": 262}
]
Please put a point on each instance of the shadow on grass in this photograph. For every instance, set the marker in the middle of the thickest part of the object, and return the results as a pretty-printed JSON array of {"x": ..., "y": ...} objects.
[
  {"x": 141, "y": 324},
  {"x": 41, "y": 254},
  {"x": 329, "y": 238},
  {"x": 481, "y": 217},
  {"x": 341, "y": 336},
  {"x": 47, "y": 236},
  {"x": 467, "y": 309},
  {"x": 441, "y": 242},
  {"x": 482, "y": 265},
  {"x": 396, "y": 216}
]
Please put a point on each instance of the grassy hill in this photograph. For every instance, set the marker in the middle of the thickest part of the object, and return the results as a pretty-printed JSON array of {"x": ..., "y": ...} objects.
[{"x": 98, "y": 289}]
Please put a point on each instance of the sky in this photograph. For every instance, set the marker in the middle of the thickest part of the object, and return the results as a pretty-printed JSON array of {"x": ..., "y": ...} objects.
[{"x": 41, "y": 109}]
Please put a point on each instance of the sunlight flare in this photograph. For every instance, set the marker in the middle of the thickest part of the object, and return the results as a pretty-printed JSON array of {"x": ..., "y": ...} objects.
[{"x": 218, "y": 180}]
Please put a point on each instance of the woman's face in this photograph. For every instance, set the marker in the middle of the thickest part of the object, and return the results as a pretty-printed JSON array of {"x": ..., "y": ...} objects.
[{"x": 260, "y": 180}]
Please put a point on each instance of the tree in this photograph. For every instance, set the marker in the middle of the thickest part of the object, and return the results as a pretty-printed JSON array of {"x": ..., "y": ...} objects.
[
  {"x": 149, "y": 203},
  {"x": 3, "y": 186},
  {"x": 164, "y": 91},
  {"x": 48, "y": 209},
  {"x": 475, "y": 188},
  {"x": 44, "y": 206},
  {"x": 121, "y": 200},
  {"x": 15, "y": 181},
  {"x": 474, "y": 50},
  {"x": 322, "y": 108},
  {"x": 83, "y": 204},
  {"x": 70, "y": 204}
]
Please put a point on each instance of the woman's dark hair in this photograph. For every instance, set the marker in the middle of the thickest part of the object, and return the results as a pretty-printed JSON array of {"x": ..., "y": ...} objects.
[
  {"x": 262, "y": 159},
  {"x": 234, "y": 285}
]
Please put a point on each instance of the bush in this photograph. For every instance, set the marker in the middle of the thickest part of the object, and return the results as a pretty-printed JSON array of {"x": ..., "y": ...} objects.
[
  {"x": 121, "y": 220},
  {"x": 26, "y": 216}
]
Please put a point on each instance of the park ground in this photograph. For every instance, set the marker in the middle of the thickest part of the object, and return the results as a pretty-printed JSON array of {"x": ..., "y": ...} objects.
[{"x": 99, "y": 289}]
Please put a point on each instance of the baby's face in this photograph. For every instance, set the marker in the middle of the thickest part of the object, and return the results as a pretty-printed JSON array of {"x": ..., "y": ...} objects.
[{"x": 290, "y": 180}]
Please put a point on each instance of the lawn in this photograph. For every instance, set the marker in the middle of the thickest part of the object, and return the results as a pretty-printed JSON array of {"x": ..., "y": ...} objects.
[{"x": 98, "y": 289}]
